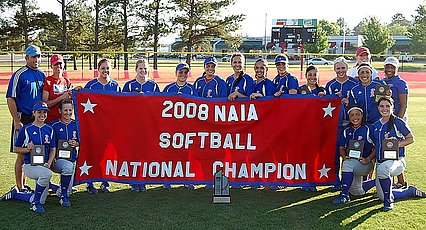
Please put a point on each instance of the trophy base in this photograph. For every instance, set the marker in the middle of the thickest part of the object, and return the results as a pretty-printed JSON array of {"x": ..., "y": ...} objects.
[{"x": 221, "y": 199}]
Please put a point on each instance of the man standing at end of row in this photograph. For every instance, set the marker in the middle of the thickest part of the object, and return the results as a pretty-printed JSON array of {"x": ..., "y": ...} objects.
[{"x": 25, "y": 88}]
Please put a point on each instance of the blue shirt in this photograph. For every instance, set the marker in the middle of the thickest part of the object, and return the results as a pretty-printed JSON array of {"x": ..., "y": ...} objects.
[
  {"x": 398, "y": 86},
  {"x": 26, "y": 86},
  {"x": 175, "y": 88},
  {"x": 334, "y": 86},
  {"x": 365, "y": 96},
  {"x": 399, "y": 130},
  {"x": 135, "y": 86},
  {"x": 112, "y": 85},
  {"x": 361, "y": 133},
  {"x": 243, "y": 84},
  {"x": 215, "y": 87},
  {"x": 288, "y": 82},
  {"x": 66, "y": 132},
  {"x": 265, "y": 87},
  {"x": 39, "y": 136}
]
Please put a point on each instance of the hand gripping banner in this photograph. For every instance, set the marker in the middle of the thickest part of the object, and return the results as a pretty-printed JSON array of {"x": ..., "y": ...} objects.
[{"x": 160, "y": 138}]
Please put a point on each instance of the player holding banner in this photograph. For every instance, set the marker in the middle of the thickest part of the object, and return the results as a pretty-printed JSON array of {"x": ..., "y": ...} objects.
[
  {"x": 285, "y": 83},
  {"x": 181, "y": 86},
  {"x": 239, "y": 83},
  {"x": 210, "y": 85}
]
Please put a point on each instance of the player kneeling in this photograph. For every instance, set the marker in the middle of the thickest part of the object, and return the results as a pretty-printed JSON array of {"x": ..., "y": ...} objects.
[
  {"x": 358, "y": 152},
  {"x": 36, "y": 141}
]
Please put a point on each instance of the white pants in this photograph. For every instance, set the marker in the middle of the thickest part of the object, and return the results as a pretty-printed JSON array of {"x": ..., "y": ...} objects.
[
  {"x": 388, "y": 169},
  {"x": 359, "y": 170},
  {"x": 42, "y": 176}
]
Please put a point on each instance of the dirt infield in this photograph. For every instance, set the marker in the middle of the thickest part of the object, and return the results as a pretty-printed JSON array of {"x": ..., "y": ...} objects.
[{"x": 415, "y": 80}]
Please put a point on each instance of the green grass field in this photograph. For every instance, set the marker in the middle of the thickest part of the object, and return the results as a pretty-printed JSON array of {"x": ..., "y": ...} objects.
[{"x": 179, "y": 208}]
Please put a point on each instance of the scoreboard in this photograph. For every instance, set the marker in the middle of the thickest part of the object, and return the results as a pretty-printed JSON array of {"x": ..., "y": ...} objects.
[{"x": 294, "y": 35}]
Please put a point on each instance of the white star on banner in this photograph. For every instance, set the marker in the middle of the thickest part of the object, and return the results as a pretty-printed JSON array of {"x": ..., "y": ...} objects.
[
  {"x": 323, "y": 171},
  {"x": 88, "y": 106},
  {"x": 85, "y": 169},
  {"x": 328, "y": 110}
]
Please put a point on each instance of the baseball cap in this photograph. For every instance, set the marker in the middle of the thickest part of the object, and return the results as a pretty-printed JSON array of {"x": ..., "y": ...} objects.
[
  {"x": 182, "y": 66},
  {"x": 39, "y": 105},
  {"x": 56, "y": 58},
  {"x": 355, "y": 107},
  {"x": 392, "y": 61},
  {"x": 281, "y": 58},
  {"x": 210, "y": 60},
  {"x": 32, "y": 51},
  {"x": 362, "y": 50}
]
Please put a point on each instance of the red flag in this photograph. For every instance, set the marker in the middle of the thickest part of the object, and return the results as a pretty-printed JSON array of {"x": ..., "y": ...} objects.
[{"x": 175, "y": 139}]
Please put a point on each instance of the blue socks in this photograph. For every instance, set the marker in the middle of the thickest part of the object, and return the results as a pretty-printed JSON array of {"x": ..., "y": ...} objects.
[
  {"x": 367, "y": 185},
  {"x": 65, "y": 183},
  {"x": 37, "y": 193},
  {"x": 386, "y": 187},
  {"x": 401, "y": 193},
  {"x": 347, "y": 178}
]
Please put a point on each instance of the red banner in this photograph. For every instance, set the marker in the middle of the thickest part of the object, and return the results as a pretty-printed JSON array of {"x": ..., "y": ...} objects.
[{"x": 159, "y": 138}]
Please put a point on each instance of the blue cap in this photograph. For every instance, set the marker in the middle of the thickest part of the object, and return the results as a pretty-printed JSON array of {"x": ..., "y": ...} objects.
[
  {"x": 32, "y": 51},
  {"x": 40, "y": 106},
  {"x": 281, "y": 58},
  {"x": 210, "y": 60},
  {"x": 182, "y": 66}
]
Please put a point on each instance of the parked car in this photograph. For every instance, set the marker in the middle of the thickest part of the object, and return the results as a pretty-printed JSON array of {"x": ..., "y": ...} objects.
[
  {"x": 318, "y": 61},
  {"x": 226, "y": 58},
  {"x": 405, "y": 58}
]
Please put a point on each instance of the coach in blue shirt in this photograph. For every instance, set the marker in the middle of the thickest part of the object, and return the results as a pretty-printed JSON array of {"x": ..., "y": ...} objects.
[{"x": 25, "y": 88}]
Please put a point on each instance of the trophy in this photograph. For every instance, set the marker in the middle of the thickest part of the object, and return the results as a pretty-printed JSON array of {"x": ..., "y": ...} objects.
[
  {"x": 381, "y": 91},
  {"x": 37, "y": 155},
  {"x": 221, "y": 189},
  {"x": 305, "y": 90},
  {"x": 63, "y": 150},
  {"x": 390, "y": 150},
  {"x": 355, "y": 148}
]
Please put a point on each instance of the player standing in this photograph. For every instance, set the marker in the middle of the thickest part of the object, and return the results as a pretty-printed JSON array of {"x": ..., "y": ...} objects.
[
  {"x": 210, "y": 85},
  {"x": 181, "y": 86},
  {"x": 239, "y": 83},
  {"x": 285, "y": 83},
  {"x": 25, "y": 88},
  {"x": 312, "y": 86},
  {"x": 141, "y": 84},
  {"x": 362, "y": 55}
]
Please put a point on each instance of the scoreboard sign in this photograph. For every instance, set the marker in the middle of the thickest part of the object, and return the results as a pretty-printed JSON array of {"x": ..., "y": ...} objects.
[{"x": 296, "y": 31}]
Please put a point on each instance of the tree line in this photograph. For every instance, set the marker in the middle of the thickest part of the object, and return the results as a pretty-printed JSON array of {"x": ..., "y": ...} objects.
[{"x": 124, "y": 25}]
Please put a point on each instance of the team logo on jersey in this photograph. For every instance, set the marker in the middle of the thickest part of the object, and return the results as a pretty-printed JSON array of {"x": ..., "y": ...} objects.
[
  {"x": 237, "y": 88},
  {"x": 46, "y": 139},
  {"x": 61, "y": 129},
  {"x": 34, "y": 133},
  {"x": 373, "y": 92},
  {"x": 209, "y": 93},
  {"x": 74, "y": 135},
  {"x": 360, "y": 92}
]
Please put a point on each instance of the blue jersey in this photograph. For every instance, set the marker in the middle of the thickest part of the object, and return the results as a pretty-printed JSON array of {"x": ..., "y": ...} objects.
[
  {"x": 215, "y": 87},
  {"x": 365, "y": 96},
  {"x": 66, "y": 132},
  {"x": 361, "y": 133},
  {"x": 135, "y": 86},
  {"x": 112, "y": 85},
  {"x": 243, "y": 84},
  {"x": 265, "y": 87},
  {"x": 175, "y": 88},
  {"x": 287, "y": 82},
  {"x": 398, "y": 86},
  {"x": 315, "y": 91},
  {"x": 334, "y": 86},
  {"x": 26, "y": 86},
  {"x": 39, "y": 136},
  {"x": 400, "y": 129}
]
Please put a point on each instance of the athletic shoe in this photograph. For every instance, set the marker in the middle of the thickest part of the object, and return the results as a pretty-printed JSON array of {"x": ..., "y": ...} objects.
[
  {"x": 73, "y": 190},
  {"x": 92, "y": 190},
  {"x": 142, "y": 188},
  {"x": 190, "y": 186},
  {"x": 416, "y": 192},
  {"x": 400, "y": 185},
  {"x": 104, "y": 187},
  {"x": 388, "y": 205},
  {"x": 28, "y": 188},
  {"x": 167, "y": 187},
  {"x": 37, "y": 207},
  {"x": 309, "y": 188},
  {"x": 209, "y": 186},
  {"x": 135, "y": 188},
  {"x": 10, "y": 195},
  {"x": 336, "y": 187},
  {"x": 275, "y": 187},
  {"x": 342, "y": 199},
  {"x": 65, "y": 201}
]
